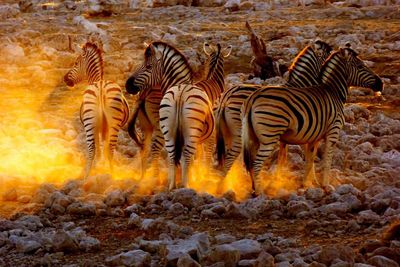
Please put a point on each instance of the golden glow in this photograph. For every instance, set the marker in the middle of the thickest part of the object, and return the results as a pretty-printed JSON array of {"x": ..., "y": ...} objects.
[{"x": 42, "y": 141}]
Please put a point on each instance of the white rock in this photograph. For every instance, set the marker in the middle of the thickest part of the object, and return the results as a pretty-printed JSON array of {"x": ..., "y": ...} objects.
[
  {"x": 381, "y": 261},
  {"x": 247, "y": 248},
  {"x": 27, "y": 246},
  {"x": 134, "y": 220},
  {"x": 196, "y": 246},
  {"x": 368, "y": 217},
  {"x": 89, "y": 244},
  {"x": 115, "y": 198},
  {"x": 222, "y": 253}
]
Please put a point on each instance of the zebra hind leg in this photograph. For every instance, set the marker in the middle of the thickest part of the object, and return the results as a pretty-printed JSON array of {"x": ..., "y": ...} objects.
[
  {"x": 233, "y": 152},
  {"x": 92, "y": 147},
  {"x": 282, "y": 158},
  {"x": 263, "y": 157},
  {"x": 144, "y": 154}
]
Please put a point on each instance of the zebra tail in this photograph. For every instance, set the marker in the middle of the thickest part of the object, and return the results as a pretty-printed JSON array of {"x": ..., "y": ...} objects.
[
  {"x": 179, "y": 139},
  {"x": 220, "y": 128},
  {"x": 249, "y": 141},
  {"x": 132, "y": 129}
]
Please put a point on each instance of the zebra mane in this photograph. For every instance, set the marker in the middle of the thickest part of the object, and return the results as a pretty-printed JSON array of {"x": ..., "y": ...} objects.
[
  {"x": 307, "y": 50},
  {"x": 90, "y": 46},
  {"x": 176, "y": 51}
]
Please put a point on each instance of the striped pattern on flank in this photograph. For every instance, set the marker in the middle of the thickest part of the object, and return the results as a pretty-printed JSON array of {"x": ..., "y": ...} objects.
[
  {"x": 303, "y": 72},
  {"x": 302, "y": 115}
]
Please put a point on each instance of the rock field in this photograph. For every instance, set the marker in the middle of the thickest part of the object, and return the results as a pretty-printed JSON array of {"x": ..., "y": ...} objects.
[{"x": 49, "y": 218}]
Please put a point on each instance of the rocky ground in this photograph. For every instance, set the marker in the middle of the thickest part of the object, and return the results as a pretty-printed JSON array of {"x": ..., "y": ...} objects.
[{"x": 48, "y": 218}]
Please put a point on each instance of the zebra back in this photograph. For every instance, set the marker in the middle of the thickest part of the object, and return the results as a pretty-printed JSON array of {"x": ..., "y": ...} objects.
[{"x": 87, "y": 67}]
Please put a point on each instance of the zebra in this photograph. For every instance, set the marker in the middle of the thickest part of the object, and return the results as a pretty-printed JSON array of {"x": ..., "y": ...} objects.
[
  {"x": 186, "y": 120},
  {"x": 163, "y": 67},
  {"x": 104, "y": 109},
  {"x": 186, "y": 116},
  {"x": 303, "y": 115},
  {"x": 303, "y": 72}
]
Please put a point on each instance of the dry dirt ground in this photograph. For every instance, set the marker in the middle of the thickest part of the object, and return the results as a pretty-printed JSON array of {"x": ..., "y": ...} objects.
[{"x": 38, "y": 53}]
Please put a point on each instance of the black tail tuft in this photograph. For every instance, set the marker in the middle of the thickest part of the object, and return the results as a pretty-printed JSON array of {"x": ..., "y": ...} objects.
[
  {"x": 249, "y": 141},
  {"x": 221, "y": 151},
  {"x": 179, "y": 142},
  {"x": 248, "y": 159}
]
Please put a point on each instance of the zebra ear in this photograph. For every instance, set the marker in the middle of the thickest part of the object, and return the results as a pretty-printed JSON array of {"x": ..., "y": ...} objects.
[
  {"x": 154, "y": 51},
  {"x": 145, "y": 44},
  {"x": 227, "y": 51},
  {"x": 207, "y": 48}
]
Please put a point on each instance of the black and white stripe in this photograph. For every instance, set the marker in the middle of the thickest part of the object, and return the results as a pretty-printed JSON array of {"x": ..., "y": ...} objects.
[
  {"x": 163, "y": 67},
  {"x": 302, "y": 115},
  {"x": 303, "y": 72},
  {"x": 186, "y": 118},
  {"x": 104, "y": 109}
]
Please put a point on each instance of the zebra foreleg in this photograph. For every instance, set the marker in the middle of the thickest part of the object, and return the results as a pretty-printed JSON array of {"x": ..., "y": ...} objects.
[{"x": 310, "y": 153}]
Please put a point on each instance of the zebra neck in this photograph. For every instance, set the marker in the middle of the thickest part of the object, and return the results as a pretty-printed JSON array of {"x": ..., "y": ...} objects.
[
  {"x": 305, "y": 69},
  {"x": 94, "y": 72},
  {"x": 175, "y": 76},
  {"x": 334, "y": 78}
]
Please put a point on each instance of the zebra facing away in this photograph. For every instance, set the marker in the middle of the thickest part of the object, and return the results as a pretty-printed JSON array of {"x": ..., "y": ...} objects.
[
  {"x": 104, "y": 109},
  {"x": 186, "y": 117},
  {"x": 303, "y": 115},
  {"x": 163, "y": 67},
  {"x": 303, "y": 72}
]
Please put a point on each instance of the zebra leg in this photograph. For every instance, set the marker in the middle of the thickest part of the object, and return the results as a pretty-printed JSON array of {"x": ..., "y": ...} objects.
[
  {"x": 156, "y": 147},
  {"x": 310, "y": 153},
  {"x": 233, "y": 152},
  {"x": 111, "y": 146},
  {"x": 263, "y": 157},
  {"x": 186, "y": 160},
  {"x": 282, "y": 158},
  {"x": 329, "y": 146},
  {"x": 92, "y": 146},
  {"x": 144, "y": 154}
]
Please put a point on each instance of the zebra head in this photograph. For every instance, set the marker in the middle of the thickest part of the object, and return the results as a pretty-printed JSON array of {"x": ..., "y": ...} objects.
[
  {"x": 88, "y": 66},
  {"x": 359, "y": 74},
  {"x": 148, "y": 75},
  {"x": 322, "y": 50},
  {"x": 216, "y": 57}
]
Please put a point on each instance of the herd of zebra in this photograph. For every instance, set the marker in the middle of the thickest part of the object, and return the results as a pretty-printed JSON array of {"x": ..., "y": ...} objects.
[{"x": 176, "y": 113}]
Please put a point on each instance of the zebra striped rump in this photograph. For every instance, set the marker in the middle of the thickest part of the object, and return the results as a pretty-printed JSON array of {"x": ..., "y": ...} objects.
[
  {"x": 103, "y": 112},
  {"x": 186, "y": 120}
]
